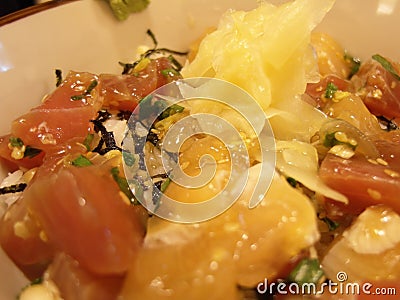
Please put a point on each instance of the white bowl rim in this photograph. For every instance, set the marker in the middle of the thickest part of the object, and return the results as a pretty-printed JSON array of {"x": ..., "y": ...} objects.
[{"x": 31, "y": 10}]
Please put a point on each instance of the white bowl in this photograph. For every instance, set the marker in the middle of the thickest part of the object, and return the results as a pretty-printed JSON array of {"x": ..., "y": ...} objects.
[{"x": 84, "y": 36}]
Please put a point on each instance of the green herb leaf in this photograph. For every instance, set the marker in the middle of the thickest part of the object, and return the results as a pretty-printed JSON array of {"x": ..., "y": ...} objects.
[
  {"x": 330, "y": 141},
  {"x": 29, "y": 152},
  {"x": 165, "y": 184},
  {"x": 331, "y": 89},
  {"x": 122, "y": 183},
  {"x": 81, "y": 161},
  {"x": 123, "y": 8},
  {"x": 128, "y": 157},
  {"x": 16, "y": 142},
  {"x": 88, "y": 141},
  {"x": 171, "y": 110},
  {"x": 355, "y": 64},
  {"x": 386, "y": 65},
  {"x": 77, "y": 97},
  {"x": 170, "y": 72},
  {"x": 308, "y": 270},
  {"x": 90, "y": 88}
]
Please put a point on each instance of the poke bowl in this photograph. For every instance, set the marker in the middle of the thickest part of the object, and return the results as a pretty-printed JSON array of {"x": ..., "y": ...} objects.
[{"x": 102, "y": 117}]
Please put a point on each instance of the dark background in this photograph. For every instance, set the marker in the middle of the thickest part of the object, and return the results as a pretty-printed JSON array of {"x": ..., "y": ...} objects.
[{"x": 9, "y": 6}]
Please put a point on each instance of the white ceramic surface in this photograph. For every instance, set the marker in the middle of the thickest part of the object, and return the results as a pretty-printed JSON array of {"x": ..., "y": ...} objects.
[{"x": 84, "y": 36}]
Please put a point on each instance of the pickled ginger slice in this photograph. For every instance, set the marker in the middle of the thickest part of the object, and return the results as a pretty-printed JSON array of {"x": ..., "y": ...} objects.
[{"x": 265, "y": 51}]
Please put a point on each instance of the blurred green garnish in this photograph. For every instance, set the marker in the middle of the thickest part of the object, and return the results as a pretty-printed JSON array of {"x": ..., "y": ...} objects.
[{"x": 123, "y": 8}]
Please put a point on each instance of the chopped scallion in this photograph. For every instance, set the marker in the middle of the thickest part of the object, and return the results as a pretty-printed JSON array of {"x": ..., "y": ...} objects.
[
  {"x": 88, "y": 141},
  {"x": 331, "y": 89},
  {"x": 308, "y": 270},
  {"x": 16, "y": 142},
  {"x": 81, "y": 161},
  {"x": 330, "y": 141},
  {"x": 165, "y": 184},
  {"x": 354, "y": 62},
  {"x": 122, "y": 183},
  {"x": 90, "y": 88},
  {"x": 386, "y": 65},
  {"x": 29, "y": 151},
  {"x": 128, "y": 157},
  {"x": 171, "y": 110},
  {"x": 170, "y": 72}
]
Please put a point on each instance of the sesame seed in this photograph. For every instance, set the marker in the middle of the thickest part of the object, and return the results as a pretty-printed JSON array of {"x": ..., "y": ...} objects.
[
  {"x": 341, "y": 136},
  {"x": 374, "y": 194},
  {"x": 377, "y": 94},
  {"x": 391, "y": 173},
  {"x": 47, "y": 139},
  {"x": 21, "y": 231},
  {"x": 353, "y": 142},
  {"x": 43, "y": 236},
  {"x": 381, "y": 161}
]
